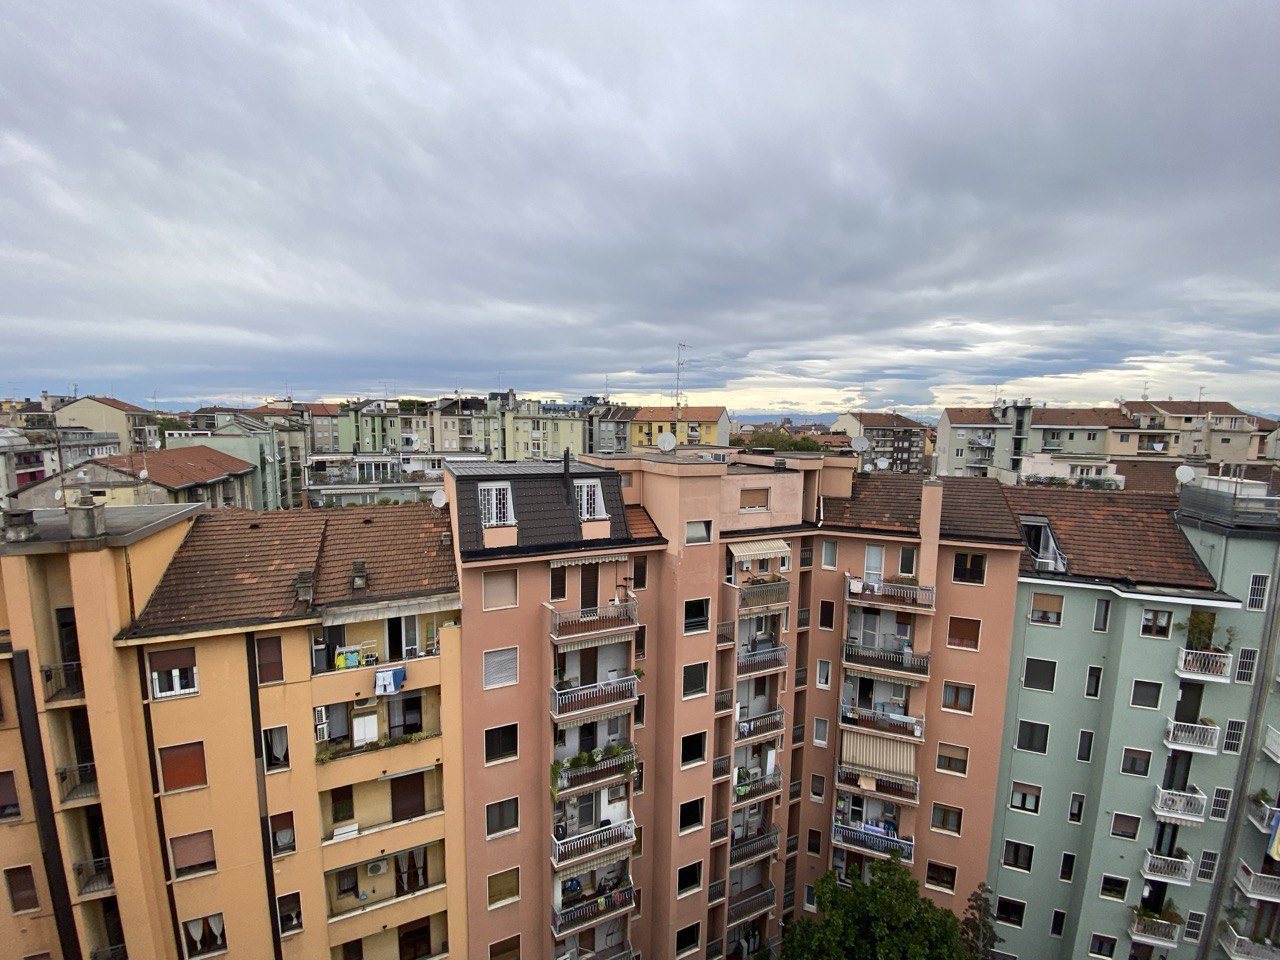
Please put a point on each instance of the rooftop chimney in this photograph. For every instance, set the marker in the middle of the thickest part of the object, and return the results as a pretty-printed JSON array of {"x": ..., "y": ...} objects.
[
  {"x": 359, "y": 578},
  {"x": 86, "y": 518},
  {"x": 306, "y": 586},
  {"x": 20, "y": 526}
]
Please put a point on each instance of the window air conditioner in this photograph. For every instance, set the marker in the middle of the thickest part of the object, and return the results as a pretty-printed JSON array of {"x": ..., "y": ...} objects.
[
  {"x": 364, "y": 703},
  {"x": 377, "y": 868}
]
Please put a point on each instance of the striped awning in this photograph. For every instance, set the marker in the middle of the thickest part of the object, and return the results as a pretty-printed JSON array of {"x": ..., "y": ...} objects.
[
  {"x": 596, "y": 717},
  {"x": 878, "y": 753},
  {"x": 877, "y": 673},
  {"x": 581, "y": 560},
  {"x": 599, "y": 640},
  {"x": 760, "y": 549},
  {"x": 598, "y": 861}
]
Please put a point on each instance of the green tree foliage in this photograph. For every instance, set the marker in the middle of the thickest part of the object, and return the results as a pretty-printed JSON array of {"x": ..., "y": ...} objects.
[
  {"x": 165, "y": 424},
  {"x": 776, "y": 440},
  {"x": 977, "y": 927}
]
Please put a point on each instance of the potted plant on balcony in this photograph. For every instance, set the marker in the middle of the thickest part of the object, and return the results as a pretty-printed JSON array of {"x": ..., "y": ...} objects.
[{"x": 903, "y": 580}]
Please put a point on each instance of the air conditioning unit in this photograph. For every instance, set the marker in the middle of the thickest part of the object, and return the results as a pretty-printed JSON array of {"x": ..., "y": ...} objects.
[
  {"x": 322, "y": 732},
  {"x": 321, "y": 715},
  {"x": 377, "y": 868},
  {"x": 364, "y": 703}
]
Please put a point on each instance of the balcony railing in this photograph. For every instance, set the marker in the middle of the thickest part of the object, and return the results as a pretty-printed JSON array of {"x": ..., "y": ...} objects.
[
  {"x": 873, "y": 841},
  {"x": 715, "y": 891},
  {"x": 727, "y": 633},
  {"x": 1271, "y": 741},
  {"x": 715, "y": 950},
  {"x": 797, "y": 734},
  {"x": 793, "y": 843},
  {"x": 593, "y": 696},
  {"x": 1196, "y": 737},
  {"x": 93, "y": 876},
  {"x": 1238, "y": 947},
  {"x": 1177, "y": 870},
  {"x": 719, "y": 829},
  {"x": 368, "y": 655},
  {"x": 895, "y": 786},
  {"x": 882, "y": 722},
  {"x": 745, "y": 907},
  {"x": 724, "y": 700},
  {"x": 1154, "y": 931},
  {"x": 746, "y": 791},
  {"x": 802, "y": 677},
  {"x": 880, "y": 593},
  {"x": 1186, "y": 806},
  {"x": 79, "y": 782},
  {"x": 1204, "y": 665},
  {"x": 62, "y": 681},
  {"x": 767, "y": 723},
  {"x": 1225, "y": 506},
  {"x": 879, "y": 656},
  {"x": 1263, "y": 816},
  {"x": 1258, "y": 886},
  {"x": 116, "y": 952},
  {"x": 593, "y": 909},
  {"x": 794, "y": 790},
  {"x": 720, "y": 767},
  {"x": 762, "y": 660},
  {"x": 763, "y": 592},
  {"x": 803, "y": 616},
  {"x": 608, "y": 767},
  {"x": 806, "y": 557},
  {"x": 612, "y": 616},
  {"x": 752, "y": 848},
  {"x": 593, "y": 841}
]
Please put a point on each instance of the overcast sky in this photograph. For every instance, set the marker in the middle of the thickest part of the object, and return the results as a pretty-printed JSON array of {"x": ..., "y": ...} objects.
[{"x": 833, "y": 204}]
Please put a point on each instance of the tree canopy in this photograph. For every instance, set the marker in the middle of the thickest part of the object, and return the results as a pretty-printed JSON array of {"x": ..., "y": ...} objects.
[{"x": 776, "y": 440}]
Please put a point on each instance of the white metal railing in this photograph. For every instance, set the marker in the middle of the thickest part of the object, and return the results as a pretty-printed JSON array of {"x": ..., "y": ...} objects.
[
  {"x": 1271, "y": 743},
  {"x": 592, "y": 909},
  {"x": 1190, "y": 805},
  {"x": 593, "y": 696},
  {"x": 756, "y": 787},
  {"x": 878, "y": 591},
  {"x": 1204, "y": 663},
  {"x": 766, "y": 658},
  {"x": 886, "y": 658},
  {"x": 862, "y": 839},
  {"x": 1263, "y": 816},
  {"x": 571, "y": 848},
  {"x": 1148, "y": 929},
  {"x": 1194, "y": 735},
  {"x": 1171, "y": 869},
  {"x": 1238, "y": 947},
  {"x": 1259, "y": 886},
  {"x": 763, "y": 592},
  {"x": 606, "y": 767},
  {"x": 889, "y": 784},
  {"x": 899, "y": 724},
  {"x": 611, "y": 616},
  {"x": 771, "y": 722}
]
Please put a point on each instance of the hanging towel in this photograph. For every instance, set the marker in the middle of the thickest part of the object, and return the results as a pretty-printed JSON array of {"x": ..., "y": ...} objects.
[{"x": 387, "y": 682}]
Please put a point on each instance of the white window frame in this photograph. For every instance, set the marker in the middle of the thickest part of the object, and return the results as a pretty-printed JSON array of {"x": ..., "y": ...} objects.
[
  {"x": 1117, "y": 836},
  {"x": 1101, "y": 673},
  {"x": 1005, "y": 850},
  {"x": 1113, "y": 876},
  {"x": 1013, "y": 788},
  {"x": 1048, "y": 734},
  {"x": 1079, "y": 739},
  {"x": 1004, "y": 923},
  {"x": 1207, "y": 865},
  {"x": 1224, "y": 794},
  {"x": 484, "y": 668},
  {"x": 822, "y": 555},
  {"x": 590, "y": 495},
  {"x": 1243, "y": 727},
  {"x": 1134, "y": 689},
  {"x": 495, "y": 505},
  {"x": 1247, "y": 666},
  {"x": 680, "y": 895},
  {"x": 821, "y": 741},
  {"x": 1257, "y": 580},
  {"x": 1106, "y": 620},
  {"x": 174, "y": 678},
  {"x": 818, "y": 674}
]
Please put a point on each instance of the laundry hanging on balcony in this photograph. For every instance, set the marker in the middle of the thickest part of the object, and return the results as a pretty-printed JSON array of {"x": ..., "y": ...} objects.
[{"x": 387, "y": 682}]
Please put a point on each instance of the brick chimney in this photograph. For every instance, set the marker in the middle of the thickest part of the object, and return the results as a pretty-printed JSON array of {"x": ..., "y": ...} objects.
[{"x": 930, "y": 530}]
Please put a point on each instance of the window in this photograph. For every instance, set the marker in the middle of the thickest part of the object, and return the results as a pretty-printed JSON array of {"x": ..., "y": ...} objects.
[
  {"x": 1075, "y": 809},
  {"x": 1156, "y": 623},
  {"x": 1221, "y": 804},
  {"x": 504, "y": 887},
  {"x": 962, "y": 633},
  {"x": 1247, "y": 665},
  {"x": 970, "y": 568},
  {"x": 953, "y": 758},
  {"x": 502, "y": 816},
  {"x": 1017, "y": 856},
  {"x": 1208, "y": 865},
  {"x": 173, "y": 673},
  {"x": 1010, "y": 911},
  {"x": 697, "y": 531},
  {"x": 1146, "y": 694},
  {"x": 495, "y": 505},
  {"x": 826, "y": 615},
  {"x": 289, "y": 913},
  {"x": 637, "y": 714},
  {"x": 22, "y": 889},
  {"x": 1125, "y": 826},
  {"x": 1067, "y": 870},
  {"x": 753, "y": 498},
  {"x": 1233, "y": 737},
  {"x": 1258, "y": 586},
  {"x": 559, "y": 583},
  {"x": 1084, "y": 748},
  {"x": 1039, "y": 674},
  {"x": 946, "y": 819},
  {"x": 1101, "y": 614},
  {"x": 1113, "y": 888},
  {"x": 639, "y": 572},
  {"x": 9, "y": 808},
  {"x": 283, "y": 839},
  {"x": 810, "y": 898},
  {"x": 1033, "y": 737},
  {"x": 501, "y": 667},
  {"x": 689, "y": 878},
  {"x": 1093, "y": 683},
  {"x": 1046, "y": 608},
  {"x": 817, "y": 786},
  {"x": 342, "y": 804},
  {"x": 1102, "y": 946},
  {"x": 813, "y": 843},
  {"x": 1057, "y": 923},
  {"x": 691, "y": 814},
  {"x": 204, "y": 936},
  {"x": 828, "y": 554},
  {"x": 500, "y": 589},
  {"x": 693, "y": 749},
  {"x": 1195, "y": 926},
  {"x": 590, "y": 500},
  {"x": 270, "y": 660},
  {"x": 508, "y": 949},
  {"x": 688, "y": 938},
  {"x": 697, "y": 615},
  {"x": 275, "y": 748},
  {"x": 940, "y": 876},
  {"x": 820, "y": 729},
  {"x": 824, "y": 674},
  {"x": 502, "y": 743},
  {"x": 907, "y": 561},
  {"x": 695, "y": 679},
  {"x": 1025, "y": 797},
  {"x": 182, "y": 766},
  {"x": 957, "y": 697}
]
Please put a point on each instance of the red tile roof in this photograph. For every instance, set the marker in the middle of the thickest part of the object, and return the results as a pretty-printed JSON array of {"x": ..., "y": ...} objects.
[
  {"x": 973, "y": 508},
  {"x": 1080, "y": 417},
  {"x": 179, "y": 467},
  {"x": 1187, "y": 408},
  {"x": 117, "y": 404},
  {"x": 971, "y": 416},
  {"x": 1149, "y": 476},
  {"x": 239, "y": 567},
  {"x": 687, "y": 414},
  {"x": 323, "y": 409},
  {"x": 880, "y": 420},
  {"x": 639, "y": 524}
]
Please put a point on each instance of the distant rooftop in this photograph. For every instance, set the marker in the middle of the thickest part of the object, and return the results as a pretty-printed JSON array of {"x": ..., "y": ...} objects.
[{"x": 123, "y": 526}]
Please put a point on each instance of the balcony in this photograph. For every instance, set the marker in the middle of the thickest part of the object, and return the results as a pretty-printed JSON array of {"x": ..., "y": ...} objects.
[
  {"x": 1242, "y": 948},
  {"x": 715, "y": 891},
  {"x": 1271, "y": 743},
  {"x": 878, "y": 783},
  {"x": 1181, "y": 807},
  {"x": 1193, "y": 737},
  {"x": 79, "y": 782},
  {"x": 1177, "y": 870},
  {"x": 1225, "y": 507},
  {"x": 1154, "y": 931},
  {"x": 1258, "y": 886},
  {"x": 62, "y": 682},
  {"x": 767, "y": 724},
  {"x": 751, "y": 903},
  {"x": 93, "y": 876},
  {"x": 748, "y": 791},
  {"x": 719, "y": 829},
  {"x": 802, "y": 677},
  {"x": 724, "y": 700},
  {"x": 794, "y": 791},
  {"x": 720, "y": 767},
  {"x": 880, "y": 721},
  {"x": 885, "y": 656},
  {"x": 579, "y": 701},
  {"x": 593, "y": 774},
  {"x": 873, "y": 840},
  {"x": 1206, "y": 665},
  {"x": 591, "y": 911},
  {"x": 726, "y": 634},
  {"x": 571, "y": 624},
  {"x": 806, "y": 558},
  {"x": 769, "y": 590},
  {"x": 1263, "y": 816},
  {"x": 571, "y": 849},
  {"x": 762, "y": 659},
  {"x": 894, "y": 596},
  {"x": 753, "y": 848}
]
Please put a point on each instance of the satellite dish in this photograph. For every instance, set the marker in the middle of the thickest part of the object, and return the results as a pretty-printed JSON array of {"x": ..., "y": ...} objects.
[
  {"x": 155, "y": 444},
  {"x": 860, "y": 444},
  {"x": 144, "y": 473},
  {"x": 882, "y": 463},
  {"x": 666, "y": 442},
  {"x": 438, "y": 499},
  {"x": 57, "y": 494},
  {"x": 1185, "y": 474}
]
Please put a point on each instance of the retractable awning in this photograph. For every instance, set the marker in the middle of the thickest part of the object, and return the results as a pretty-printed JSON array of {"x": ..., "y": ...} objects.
[
  {"x": 597, "y": 558},
  {"x": 599, "y": 640},
  {"x": 760, "y": 549}
]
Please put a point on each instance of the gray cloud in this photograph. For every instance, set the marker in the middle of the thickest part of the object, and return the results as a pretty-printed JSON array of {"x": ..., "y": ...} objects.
[{"x": 905, "y": 204}]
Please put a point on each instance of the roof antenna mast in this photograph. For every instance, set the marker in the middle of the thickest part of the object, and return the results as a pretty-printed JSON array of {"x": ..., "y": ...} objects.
[{"x": 681, "y": 347}]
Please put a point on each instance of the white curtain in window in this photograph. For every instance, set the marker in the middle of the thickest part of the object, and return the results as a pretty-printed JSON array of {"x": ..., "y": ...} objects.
[
  {"x": 216, "y": 925},
  {"x": 278, "y": 739}
]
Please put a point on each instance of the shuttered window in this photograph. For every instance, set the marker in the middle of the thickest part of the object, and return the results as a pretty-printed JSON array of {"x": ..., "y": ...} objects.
[
  {"x": 953, "y": 758},
  {"x": 182, "y": 766},
  {"x": 173, "y": 672},
  {"x": 193, "y": 853},
  {"x": 22, "y": 889},
  {"x": 501, "y": 667},
  {"x": 499, "y": 589},
  {"x": 270, "y": 660},
  {"x": 754, "y": 499},
  {"x": 504, "y": 886},
  {"x": 962, "y": 632},
  {"x": 8, "y": 796},
  {"x": 1046, "y": 608}
]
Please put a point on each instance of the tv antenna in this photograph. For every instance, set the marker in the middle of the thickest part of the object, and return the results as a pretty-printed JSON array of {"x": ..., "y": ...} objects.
[{"x": 681, "y": 347}]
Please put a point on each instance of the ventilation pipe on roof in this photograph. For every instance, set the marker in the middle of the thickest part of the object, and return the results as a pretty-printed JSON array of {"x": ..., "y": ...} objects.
[
  {"x": 20, "y": 526},
  {"x": 306, "y": 586},
  {"x": 359, "y": 577},
  {"x": 86, "y": 518}
]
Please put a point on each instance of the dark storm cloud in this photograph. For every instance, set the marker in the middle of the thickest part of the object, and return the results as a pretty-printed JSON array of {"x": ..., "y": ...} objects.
[{"x": 878, "y": 203}]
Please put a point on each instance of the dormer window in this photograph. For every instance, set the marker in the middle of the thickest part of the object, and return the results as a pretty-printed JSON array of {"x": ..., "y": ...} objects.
[
  {"x": 495, "y": 505},
  {"x": 590, "y": 500}
]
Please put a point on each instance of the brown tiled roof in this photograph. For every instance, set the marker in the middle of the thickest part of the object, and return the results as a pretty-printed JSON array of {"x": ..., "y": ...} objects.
[
  {"x": 1149, "y": 476},
  {"x": 1186, "y": 408},
  {"x": 966, "y": 416},
  {"x": 639, "y": 524},
  {"x": 239, "y": 567},
  {"x": 880, "y": 420},
  {"x": 117, "y": 404},
  {"x": 323, "y": 409},
  {"x": 687, "y": 414},
  {"x": 179, "y": 467},
  {"x": 270, "y": 410},
  {"x": 1080, "y": 417},
  {"x": 1114, "y": 535},
  {"x": 837, "y": 440},
  {"x": 973, "y": 508},
  {"x": 1265, "y": 424}
]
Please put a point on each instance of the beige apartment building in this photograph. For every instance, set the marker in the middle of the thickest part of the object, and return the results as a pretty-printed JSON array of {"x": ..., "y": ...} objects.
[{"x": 135, "y": 426}]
